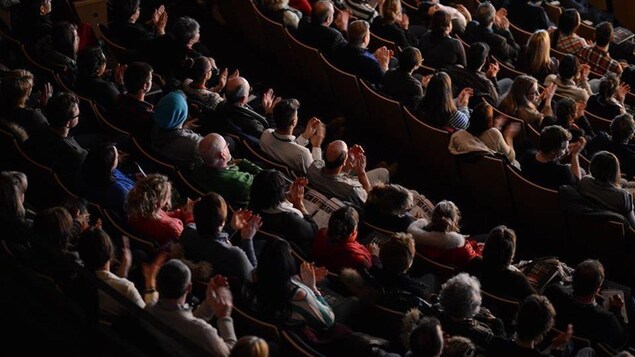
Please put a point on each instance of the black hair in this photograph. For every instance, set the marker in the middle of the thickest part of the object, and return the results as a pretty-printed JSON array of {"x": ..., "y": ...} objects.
[
  {"x": 284, "y": 112},
  {"x": 267, "y": 190},
  {"x": 210, "y": 213},
  {"x": 59, "y": 108},
  {"x": 89, "y": 61},
  {"x": 136, "y": 76}
]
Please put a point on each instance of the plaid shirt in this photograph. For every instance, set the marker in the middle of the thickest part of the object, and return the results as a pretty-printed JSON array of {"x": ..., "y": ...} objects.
[
  {"x": 599, "y": 60},
  {"x": 570, "y": 44}
]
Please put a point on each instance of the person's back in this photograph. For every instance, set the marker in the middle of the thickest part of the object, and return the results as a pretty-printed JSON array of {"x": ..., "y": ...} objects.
[{"x": 528, "y": 15}]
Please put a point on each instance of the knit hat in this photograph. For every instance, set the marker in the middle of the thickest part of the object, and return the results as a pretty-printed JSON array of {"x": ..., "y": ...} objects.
[{"x": 171, "y": 111}]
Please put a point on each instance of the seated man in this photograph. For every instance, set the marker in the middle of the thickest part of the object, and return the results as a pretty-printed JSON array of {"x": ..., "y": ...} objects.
[
  {"x": 318, "y": 32},
  {"x": 580, "y": 308},
  {"x": 55, "y": 147},
  {"x": 206, "y": 240},
  {"x": 572, "y": 80},
  {"x": 174, "y": 282},
  {"x": 484, "y": 83},
  {"x": 131, "y": 111},
  {"x": 493, "y": 29},
  {"x": 356, "y": 59},
  {"x": 280, "y": 143},
  {"x": 597, "y": 56},
  {"x": 237, "y": 116},
  {"x": 543, "y": 167},
  {"x": 400, "y": 84},
  {"x": 217, "y": 173},
  {"x": 622, "y": 132},
  {"x": 331, "y": 175},
  {"x": 125, "y": 29}
]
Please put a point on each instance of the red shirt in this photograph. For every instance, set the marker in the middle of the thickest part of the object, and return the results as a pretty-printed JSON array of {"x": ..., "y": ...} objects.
[
  {"x": 337, "y": 255},
  {"x": 167, "y": 227}
]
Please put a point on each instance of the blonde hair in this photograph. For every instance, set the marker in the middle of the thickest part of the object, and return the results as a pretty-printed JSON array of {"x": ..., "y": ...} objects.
[
  {"x": 538, "y": 50},
  {"x": 250, "y": 346},
  {"x": 145, "y": 198}
]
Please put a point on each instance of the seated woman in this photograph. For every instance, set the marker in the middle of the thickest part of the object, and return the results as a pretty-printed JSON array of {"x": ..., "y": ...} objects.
[
  {"x": 437, "y": 47},
  {"x": 279, "y": 294},
  {"x": 195, "y": 87},
  {"x": 281, "y": 12},
  {"x": 609, "y": 101},
  {"x": 15, "y": 89},
  {"x": 440, "y": 240},
  {"x": 101, "y": 182},
  {"x": 461, "y": 312},
  {"x": 482, "y": 136},
  {"x": 147, "y": 215},
  {"x": 438, "y": 108},
  {"x": 535, "y": 57},
  {"x": 336, "y": 247},
  {"x": 394, "y": 25},
  {"x": 387, "y": 207},
  {"x": 565, "y": 39},
  {"x": 495, "y": 271},
  {"x": 170, "y": 136},
  {"x": 283, "y": 213},
  {"x": 523, "y": 100},
  {"x": 13, "y": 215},
  {"x": 92, "y": 80},
  {"x": 604, "y": 188}
]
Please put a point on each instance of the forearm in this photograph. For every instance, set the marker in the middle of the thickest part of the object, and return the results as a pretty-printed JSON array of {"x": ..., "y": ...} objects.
[
  {"x": 363, "y": 179},
  {"x": 575, "y": 166},
  {"x": 248, "y": 247}
]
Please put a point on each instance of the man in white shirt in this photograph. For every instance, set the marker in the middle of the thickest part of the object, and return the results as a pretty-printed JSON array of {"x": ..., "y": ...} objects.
[{"x": 282, "y": 146}]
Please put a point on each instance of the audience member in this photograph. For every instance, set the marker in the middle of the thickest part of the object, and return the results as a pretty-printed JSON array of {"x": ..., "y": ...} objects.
[
  {"x": 13, "y": 215},
  {"x": 281, "y": 12},
  {"x": 146, "y": 207},
  {"x": 15, "y": 89},
  {"x": 529, "y": 15},
  {"x": 426, "y": 340},
  {"x": 572, "y": 79},
  {"x": 387, "y": 207},
  {"x": 543, "y": 167},
  {"x": 535, "y": 57},
  {"x": 564, "y": 38},
  {"x": 437, "y": 47},
  {"x": 283, "y": 146},
  {"x": 523, "y": 100},
  {"x": 171, "y": 136},
  {"x": 394, "y": 25},
  {"x": 91, "y": 81},
  {"x": 597, "y": 56},
  {"x": 493, "y": 28},
  {"x": 580, "y": 308},
  {"x": 195, "y": 87},
  {"x": 219, "y": 173},
  {"x": 59, "y": 50},
  {"x": 283, "y": 212},
  {"x": 174, "y": 282},
  {"x": 439, "y": 108},
  {"x": 131, "y": 34},
  {"x": 31, "y": 20},
  {"x": 618, "y": 143},
  {"x": 336, "y": 247},
  {"x": 207, "y": 241},
  {"x": 459, "y": 14},
  {"x": 332, "y": 177},
  {"x": 495, "y": 271},
  {"x": 604, "y": 187},
  {"x": 439, "y": 239},
  {"x": 458, "y": 346},
  {"x": 250, "y": 346},
  {"x": 400, "y": 83},
  {"x": 319, "y": 33},
  {"x": 482, "y": 136},
  {"x": 55, "y": 147},
  {"x": 101, "y": 181},
  {"x": 609, "y": 101},
  {"x": 131, "y": 111},
  {"x": 356, "y": 59},
  {"x": 279, "y": 294}
]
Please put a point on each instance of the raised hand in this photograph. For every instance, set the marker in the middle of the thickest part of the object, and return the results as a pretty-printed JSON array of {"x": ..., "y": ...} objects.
[
  {"x": 253, "y": 225},
  {"x": 269, "y": 101},
  {"x": 307, "y": 275},
  {"x": 492, "y": 70},
  {"x": 120, "y": 69},
  {"x": 464, "y": 97},
  {"x": 45, "y": 94},
  {"x": 240, "y": 218}
]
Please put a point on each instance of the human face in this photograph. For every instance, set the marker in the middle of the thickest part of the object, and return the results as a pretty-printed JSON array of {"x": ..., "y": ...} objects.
[
  {"x": 533, "y": 93},
  {"x": 563, "y": 151},
  {"x": 75, "y": 118}
]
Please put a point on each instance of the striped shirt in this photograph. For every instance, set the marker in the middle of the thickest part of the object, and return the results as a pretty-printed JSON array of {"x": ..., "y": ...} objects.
[{"x": 570, "y": 44}]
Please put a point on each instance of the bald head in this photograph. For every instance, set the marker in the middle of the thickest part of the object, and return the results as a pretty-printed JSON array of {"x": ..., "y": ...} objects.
[
  {"x": 335, "y": 155},
  {"x": 322, "y": 13},
  {"x": 237, "y": 90},
  {"x": 214, "y": 151}
]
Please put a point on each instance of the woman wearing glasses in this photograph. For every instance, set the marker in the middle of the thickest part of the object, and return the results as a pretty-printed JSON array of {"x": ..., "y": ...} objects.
[{"x": 524, "y": 100}]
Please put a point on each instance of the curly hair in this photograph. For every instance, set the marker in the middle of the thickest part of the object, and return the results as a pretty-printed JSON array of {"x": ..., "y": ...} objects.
[
  {"x": 149, "y": 192},
  {"x": 460, "y": 296}
]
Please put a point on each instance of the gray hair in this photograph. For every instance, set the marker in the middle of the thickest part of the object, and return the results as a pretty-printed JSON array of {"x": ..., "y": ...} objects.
[
  {"x": 485, "y": 13},
  {"x": 173, "y": 279},
  {"x": 185, "y": 29},
  {"x": 460, "y": 296}
]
